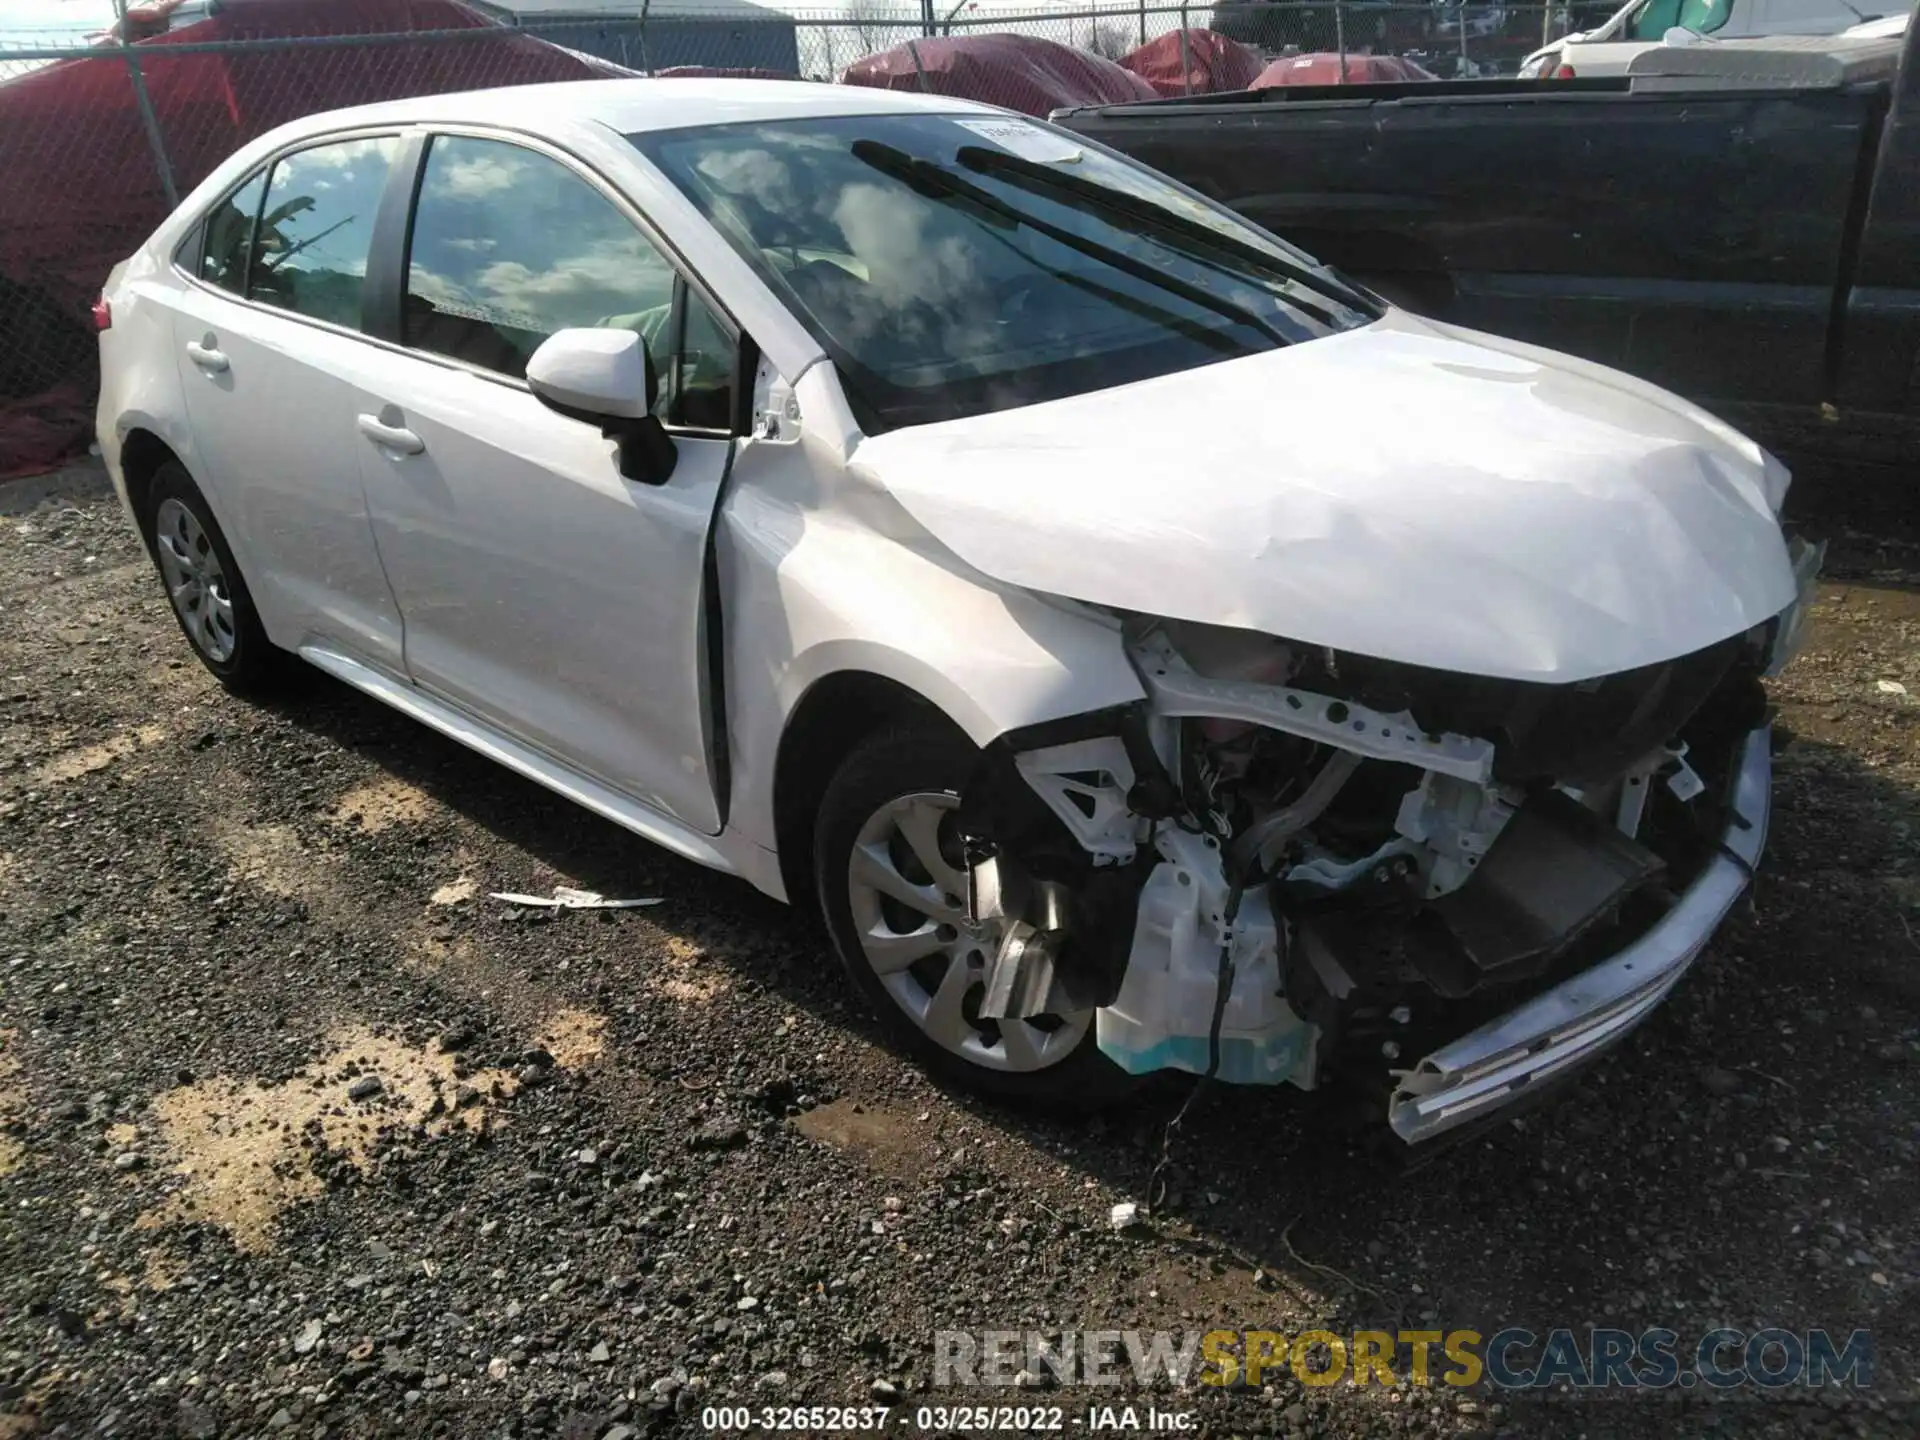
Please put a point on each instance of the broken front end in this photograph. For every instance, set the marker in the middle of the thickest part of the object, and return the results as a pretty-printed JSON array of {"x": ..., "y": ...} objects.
[{"x": 1296, "y": 864}]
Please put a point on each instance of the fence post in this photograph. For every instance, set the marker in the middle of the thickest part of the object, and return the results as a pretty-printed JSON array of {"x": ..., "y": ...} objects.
[
  {"x": 1340, "y": 36},
  {"x": 646, "y": 60},
  {"x": 926, "y": 26},
  {"x": 148, "y": 119},
  {"x": 918, "y": 69},
  {"x": 1186, "y": 56}
]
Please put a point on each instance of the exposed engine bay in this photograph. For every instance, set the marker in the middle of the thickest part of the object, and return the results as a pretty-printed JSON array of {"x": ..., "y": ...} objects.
[{"x": 1293, "y": 863}]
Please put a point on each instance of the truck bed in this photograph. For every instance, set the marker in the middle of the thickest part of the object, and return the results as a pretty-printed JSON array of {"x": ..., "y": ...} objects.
[{"x": 1707, "y": 241}]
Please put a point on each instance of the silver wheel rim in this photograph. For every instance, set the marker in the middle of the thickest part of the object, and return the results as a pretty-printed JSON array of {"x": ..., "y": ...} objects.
[
  {"x": 195, "y": 582},
  {"x": 907, "y": 891}
]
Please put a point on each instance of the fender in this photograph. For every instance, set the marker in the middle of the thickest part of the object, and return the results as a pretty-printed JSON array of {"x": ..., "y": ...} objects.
[{"x": 807, "y": 593}]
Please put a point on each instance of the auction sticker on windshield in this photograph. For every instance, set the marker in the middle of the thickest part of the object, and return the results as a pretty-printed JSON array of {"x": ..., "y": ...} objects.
[{"x": 1025, "y": 139}]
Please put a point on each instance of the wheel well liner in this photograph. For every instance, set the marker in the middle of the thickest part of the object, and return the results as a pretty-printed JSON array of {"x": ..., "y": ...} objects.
[
  {"x": 835, "y": 714},
  {"x": 141, "y": 457}
]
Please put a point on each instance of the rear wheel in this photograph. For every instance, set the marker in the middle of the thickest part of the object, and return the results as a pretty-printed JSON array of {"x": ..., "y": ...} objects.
[
  {"x": 893, "y": 886},
  {"x": 209, "y": 596}
]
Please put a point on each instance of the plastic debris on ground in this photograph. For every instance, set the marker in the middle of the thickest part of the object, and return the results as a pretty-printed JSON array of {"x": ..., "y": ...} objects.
[{"x": 566, "y": 898}]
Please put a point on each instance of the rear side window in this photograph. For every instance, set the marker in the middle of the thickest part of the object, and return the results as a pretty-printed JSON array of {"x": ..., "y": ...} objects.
[
  {"x": 510, "y": 245},
  {"x": 229, "y": 233},
  {"x": 315, "y": 228}
]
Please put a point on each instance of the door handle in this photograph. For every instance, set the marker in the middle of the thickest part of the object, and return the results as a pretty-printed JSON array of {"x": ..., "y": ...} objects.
[
  {"x": 393, "y": 437},
  {"x": 207, "y": 357}
]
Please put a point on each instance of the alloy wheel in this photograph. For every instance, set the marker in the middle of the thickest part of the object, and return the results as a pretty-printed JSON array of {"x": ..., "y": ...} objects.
[
  {"x": 195, "y": 580},
  {"x": 907, "y": 885}
]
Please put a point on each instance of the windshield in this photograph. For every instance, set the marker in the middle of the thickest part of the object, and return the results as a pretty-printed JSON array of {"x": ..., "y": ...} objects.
[{"x": 958, "y": 264}]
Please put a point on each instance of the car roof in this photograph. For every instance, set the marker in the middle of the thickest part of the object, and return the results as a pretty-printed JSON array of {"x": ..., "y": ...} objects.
[{"x": 631, "y": 106}]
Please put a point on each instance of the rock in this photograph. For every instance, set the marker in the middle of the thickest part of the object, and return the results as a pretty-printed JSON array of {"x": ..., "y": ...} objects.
[
  {"x": 1720, "y": 1083},
  {"x": 497, "y": 1368},
  {"x": 772, "y": 1380},
  {"x": 718, "y": 1135},
  {"x": 129, "y": 1160},
  {"x": 747, "y": 1302},
  {"x": 587, "y": 1156},
  {"x": 1294, "y": 1415},
  {"x": 1030, "y": 1380},
  {"x": 600, "y": 1354},
  {"x": 885, "y": 1391},
  {"x": 279, "y": 1420},
  {"x": 365, "y": 1088},
  {"x": 1125, "y": 1216},
  {"x": 619, "y": 1432},
  {"x": 308, "y": 1337},
  {"x": 398, "y": 1365},
  {"x": 1891, "y": 687},
  {"x": 196, "y": 1421}
]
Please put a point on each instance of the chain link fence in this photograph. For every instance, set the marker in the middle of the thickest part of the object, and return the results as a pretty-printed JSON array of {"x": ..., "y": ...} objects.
[{"x": 100, "y": 137}]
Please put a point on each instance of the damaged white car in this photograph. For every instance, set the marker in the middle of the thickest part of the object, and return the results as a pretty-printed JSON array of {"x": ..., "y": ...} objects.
[{"x": 1150, "y": 650}]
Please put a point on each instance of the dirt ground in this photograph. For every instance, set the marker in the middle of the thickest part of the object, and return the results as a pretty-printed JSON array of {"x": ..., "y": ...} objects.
[{"x": 302, "y": 1134}]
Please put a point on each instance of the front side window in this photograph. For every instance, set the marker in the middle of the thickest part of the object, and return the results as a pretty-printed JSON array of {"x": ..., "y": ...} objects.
[
  {"x": 316, "y": 226},
  {"x": 230, "y": 228},
  {"x": 957, "y": 264},
  {"x": 697, "y": 387},
  {"x": 510, "y": 245},
  {"x": 1656, "y": 17}
]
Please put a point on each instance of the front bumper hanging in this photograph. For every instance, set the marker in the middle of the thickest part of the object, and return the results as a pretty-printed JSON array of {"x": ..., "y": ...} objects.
[{"x": 1562, "y": 1029}]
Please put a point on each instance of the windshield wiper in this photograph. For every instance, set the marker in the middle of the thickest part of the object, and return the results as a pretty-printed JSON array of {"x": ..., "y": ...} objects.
[
  {"x": 1030, "y": 175},
  {"x": 937, "y": 183}
]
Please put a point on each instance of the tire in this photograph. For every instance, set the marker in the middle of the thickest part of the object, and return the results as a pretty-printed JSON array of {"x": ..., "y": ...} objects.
[
  {"x": 205, "y": 589},
  {"x": 897, "y": 782}
]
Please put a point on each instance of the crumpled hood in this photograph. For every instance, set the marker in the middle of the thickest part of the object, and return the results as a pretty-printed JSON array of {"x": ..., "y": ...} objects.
[{"x": 1408, "y": 491}]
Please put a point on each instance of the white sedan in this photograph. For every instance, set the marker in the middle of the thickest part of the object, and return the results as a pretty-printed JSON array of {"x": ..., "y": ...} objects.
[
  {"x": 1147, "y": 649},
  {"x": 1643, "y": 25}
]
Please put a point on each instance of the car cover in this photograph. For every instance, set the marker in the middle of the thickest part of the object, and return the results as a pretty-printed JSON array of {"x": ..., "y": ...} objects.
[
  {"x": 1020, "y": 72},
  {"x": 82, "y": 191},
  {"x": 1325, "y": 69},
  {"x": 1208, "y": 62}
]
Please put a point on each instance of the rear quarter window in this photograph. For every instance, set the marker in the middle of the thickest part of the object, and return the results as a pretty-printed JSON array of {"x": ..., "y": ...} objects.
[{"x": 222, "y": 244}]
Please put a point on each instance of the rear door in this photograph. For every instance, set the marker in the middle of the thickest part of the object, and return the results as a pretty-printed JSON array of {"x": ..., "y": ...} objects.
[
  {"x": 268, "y": 341},
  {"x": 542, "y": 590}
]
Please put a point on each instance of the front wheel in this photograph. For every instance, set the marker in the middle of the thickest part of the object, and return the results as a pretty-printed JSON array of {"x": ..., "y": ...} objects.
[{"x": 892, "y": 883}]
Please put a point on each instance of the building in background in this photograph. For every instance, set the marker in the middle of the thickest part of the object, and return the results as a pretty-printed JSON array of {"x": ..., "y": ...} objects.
[{"x": 652, "y": 35}]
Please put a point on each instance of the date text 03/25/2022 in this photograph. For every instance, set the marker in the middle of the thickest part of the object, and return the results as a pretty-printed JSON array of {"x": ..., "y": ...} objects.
[{"x": 940, "y": 1419}]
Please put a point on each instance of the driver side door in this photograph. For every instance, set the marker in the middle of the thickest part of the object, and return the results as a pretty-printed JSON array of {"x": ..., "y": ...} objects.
[{"x": 538, "y": 588}]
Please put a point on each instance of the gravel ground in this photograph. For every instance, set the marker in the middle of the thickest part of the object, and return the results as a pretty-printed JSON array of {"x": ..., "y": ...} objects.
[{"x": 301, "y": 1134}]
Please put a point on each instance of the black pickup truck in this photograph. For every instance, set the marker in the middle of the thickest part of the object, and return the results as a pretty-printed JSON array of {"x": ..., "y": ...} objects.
[{"x": 1749, "y": 241}]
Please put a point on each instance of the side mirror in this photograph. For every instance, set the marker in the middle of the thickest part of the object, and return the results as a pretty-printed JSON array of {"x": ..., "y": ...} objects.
[{"x": 606, "y": 378}]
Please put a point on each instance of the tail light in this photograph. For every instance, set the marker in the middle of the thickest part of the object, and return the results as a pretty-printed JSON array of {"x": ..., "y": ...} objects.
[
  {"x": 1563, "y": 72},
  {"x": 102, "y": 313}
]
